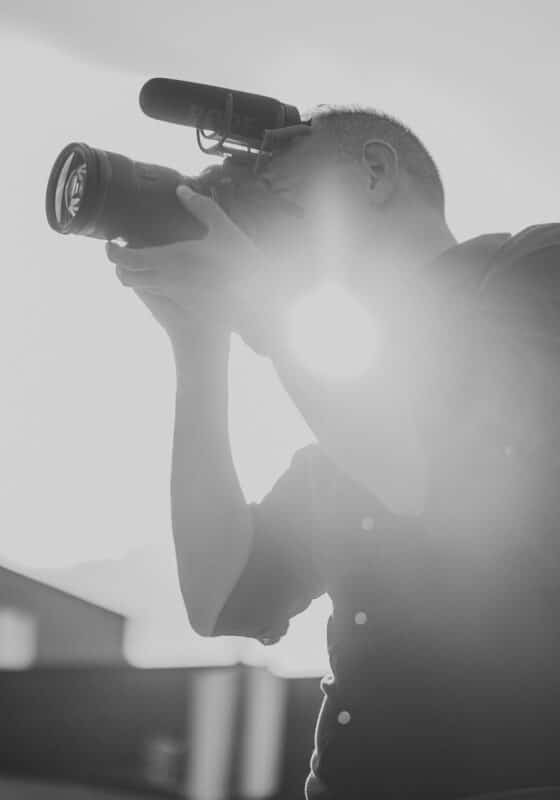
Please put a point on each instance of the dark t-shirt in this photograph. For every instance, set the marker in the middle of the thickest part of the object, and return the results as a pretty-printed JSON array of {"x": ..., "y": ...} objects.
[{"x": 444, "y": 641}]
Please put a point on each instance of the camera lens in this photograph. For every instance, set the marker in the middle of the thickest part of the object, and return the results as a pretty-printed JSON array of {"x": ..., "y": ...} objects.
[
  {"x": 70, "y": 189},
  {"x": 75, "y": 189},
  {"x": 108, "y": 196}
]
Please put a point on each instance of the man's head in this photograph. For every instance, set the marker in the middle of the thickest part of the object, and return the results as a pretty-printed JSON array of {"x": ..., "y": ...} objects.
[
  {"x": 365, "y": 183},
  {"x": 391, "y": 155}
]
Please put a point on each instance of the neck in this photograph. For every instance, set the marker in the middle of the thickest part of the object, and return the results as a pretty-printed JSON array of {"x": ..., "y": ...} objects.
[{"x": 396, "y": 258}]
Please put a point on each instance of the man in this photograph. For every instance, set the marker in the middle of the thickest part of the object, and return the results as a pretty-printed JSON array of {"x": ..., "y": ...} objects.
[{"x": 428, "y": 508}]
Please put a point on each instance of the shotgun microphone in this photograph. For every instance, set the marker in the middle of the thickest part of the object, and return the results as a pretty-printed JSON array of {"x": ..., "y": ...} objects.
[{"x": 239, "y": 116}]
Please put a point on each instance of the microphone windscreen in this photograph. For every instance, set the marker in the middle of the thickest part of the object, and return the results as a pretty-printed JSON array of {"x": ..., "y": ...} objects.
[{"x": 198, "y": 105}]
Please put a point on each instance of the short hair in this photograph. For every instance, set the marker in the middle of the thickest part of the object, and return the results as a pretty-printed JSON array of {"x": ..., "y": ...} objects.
[{"x": 353, "y": 125}]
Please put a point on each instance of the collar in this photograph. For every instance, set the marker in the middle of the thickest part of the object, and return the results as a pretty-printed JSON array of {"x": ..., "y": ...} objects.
[{"x": 464, "y": 265}]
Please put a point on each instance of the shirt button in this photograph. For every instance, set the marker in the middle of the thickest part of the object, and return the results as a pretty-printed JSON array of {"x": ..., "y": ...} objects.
[
  {"x": 509, "y": 450},
  {"x": 344, "y": 718},
  {"x": 360, "y": 618},
  {"x": 367, "y": 524}
]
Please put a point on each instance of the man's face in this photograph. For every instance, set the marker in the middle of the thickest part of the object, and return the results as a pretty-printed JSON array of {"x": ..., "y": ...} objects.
[
  {"x": 330, "y": 193},
  {"x": 306, "y": 166}
]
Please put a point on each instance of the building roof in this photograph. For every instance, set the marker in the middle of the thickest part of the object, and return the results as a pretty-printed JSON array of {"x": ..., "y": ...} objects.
[{"x": 51, "y": 588}]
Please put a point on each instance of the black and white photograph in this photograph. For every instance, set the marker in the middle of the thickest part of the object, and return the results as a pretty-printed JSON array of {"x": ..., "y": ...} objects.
[{"x": 280, "y": 392}]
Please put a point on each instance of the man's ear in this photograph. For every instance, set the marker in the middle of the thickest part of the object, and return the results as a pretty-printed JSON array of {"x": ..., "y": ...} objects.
[{"x": 381, "y": 161}]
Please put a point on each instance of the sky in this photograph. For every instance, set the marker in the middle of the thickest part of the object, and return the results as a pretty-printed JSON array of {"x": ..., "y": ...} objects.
[{"x": 88, "y": 378}]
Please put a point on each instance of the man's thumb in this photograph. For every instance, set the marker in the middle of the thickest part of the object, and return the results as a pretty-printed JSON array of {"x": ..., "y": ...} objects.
[{"x": 203, "y": 208}]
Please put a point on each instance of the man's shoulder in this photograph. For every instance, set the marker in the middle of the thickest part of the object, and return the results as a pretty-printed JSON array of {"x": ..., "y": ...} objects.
[
  {"x": 530, "y": 240},
  {"x": 492, "y": 249},
  {"x": 535, "y": 244},
  {"x": 529, "y": 259},
  {"x": 493, "y": 261}
]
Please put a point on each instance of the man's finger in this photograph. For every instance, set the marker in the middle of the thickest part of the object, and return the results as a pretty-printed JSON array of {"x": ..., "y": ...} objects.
[
  {"x": 203, "y": 208},
  {"x": 129, "y": 257},
  {"x": 139, "y": 279},
  {"x": 169, "y": 255}
]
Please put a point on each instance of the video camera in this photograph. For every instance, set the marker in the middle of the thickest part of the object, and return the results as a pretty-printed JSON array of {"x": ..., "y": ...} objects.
[{"x": 108, "y": 196}]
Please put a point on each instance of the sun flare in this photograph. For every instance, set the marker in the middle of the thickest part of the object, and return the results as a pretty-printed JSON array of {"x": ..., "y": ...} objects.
[{"x": 332, "y": 333}]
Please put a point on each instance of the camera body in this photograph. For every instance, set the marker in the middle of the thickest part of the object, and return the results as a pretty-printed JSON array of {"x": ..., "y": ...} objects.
[{"x": 105, "y": 195}]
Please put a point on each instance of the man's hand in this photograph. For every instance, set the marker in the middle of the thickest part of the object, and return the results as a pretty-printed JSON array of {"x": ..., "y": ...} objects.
[{"x": 211, "y": 282}]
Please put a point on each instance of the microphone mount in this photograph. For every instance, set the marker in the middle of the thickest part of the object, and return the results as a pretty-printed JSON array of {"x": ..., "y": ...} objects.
[{"x": 228, "y": 145}]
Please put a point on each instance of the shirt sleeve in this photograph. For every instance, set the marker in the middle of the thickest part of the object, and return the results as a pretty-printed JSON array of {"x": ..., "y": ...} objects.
[{"x": 280, "y": 578}]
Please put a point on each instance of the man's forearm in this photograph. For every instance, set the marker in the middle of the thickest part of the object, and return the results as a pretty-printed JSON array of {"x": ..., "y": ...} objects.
[{"x": 211, "y": 521}]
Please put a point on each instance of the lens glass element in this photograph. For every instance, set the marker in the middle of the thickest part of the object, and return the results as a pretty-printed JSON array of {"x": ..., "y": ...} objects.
[{"x": 70, "y": 189}]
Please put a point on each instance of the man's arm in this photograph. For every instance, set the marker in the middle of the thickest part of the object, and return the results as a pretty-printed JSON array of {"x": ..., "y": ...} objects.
[
  {"x": 226, "y": 550},
  {"x": 244, "y": 569},
  {"x": 211, "y": 522},
  {"x": 367, "y": 428}
]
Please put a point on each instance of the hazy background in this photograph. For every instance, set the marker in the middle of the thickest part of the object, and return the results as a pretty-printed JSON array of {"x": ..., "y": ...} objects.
[{"x": 87, "y": 376}]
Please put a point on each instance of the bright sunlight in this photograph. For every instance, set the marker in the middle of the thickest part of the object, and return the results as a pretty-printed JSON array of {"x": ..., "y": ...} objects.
[{"x": 331, "y": 333}]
